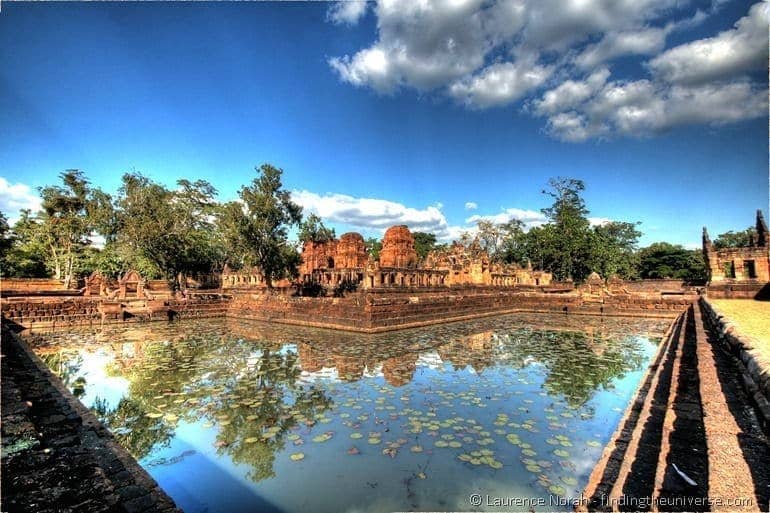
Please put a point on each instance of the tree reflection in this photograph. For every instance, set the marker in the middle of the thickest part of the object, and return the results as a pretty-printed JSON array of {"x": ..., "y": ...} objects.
[{"x": 251, "y": 390}]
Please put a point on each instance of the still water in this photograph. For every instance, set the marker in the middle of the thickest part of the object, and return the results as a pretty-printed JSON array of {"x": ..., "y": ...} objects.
[{"x": 232, "y": 416}]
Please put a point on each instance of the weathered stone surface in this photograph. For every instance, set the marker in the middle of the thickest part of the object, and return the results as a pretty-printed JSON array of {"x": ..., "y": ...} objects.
[
  {"x": 54, "y": 461},
  {"x": 747, "y": 266},
  {"x": 398, "y": 248}
]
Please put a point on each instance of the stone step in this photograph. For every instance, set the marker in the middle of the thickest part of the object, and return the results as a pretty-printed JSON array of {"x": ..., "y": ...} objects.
[
  {"x": 610, "y": 478},
  {"x": 738, "y": 449}
]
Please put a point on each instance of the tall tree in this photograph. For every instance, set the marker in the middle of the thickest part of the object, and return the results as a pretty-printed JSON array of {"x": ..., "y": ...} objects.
[
  {"x": 567, "y": 255},
  {"x": 65, "y": 222},
  {"x": 613, "y": 249},
  {"x": 312, "y": 229},
  {"x": 424, "y": 243},
  {"x": 163, "y": 232},
  {"x": 256, "y": 228},
  {"x": 25, "y": 257}
]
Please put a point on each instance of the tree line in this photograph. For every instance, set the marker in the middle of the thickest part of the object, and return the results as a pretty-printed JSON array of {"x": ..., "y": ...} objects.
[{"x": 172, "y": 232}]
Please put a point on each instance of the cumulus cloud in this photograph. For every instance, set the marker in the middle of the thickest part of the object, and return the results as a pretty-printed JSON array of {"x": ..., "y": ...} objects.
[
  {"x": 15, "y": 197},
  {"x": 471, "y": 205},
  {"x": 530, "y": 218},
  {"x": 735, "y": 51},
  {"x": 499, "y": 84},
  {"x": 493, "y": 53},
  {"x": 647, "y": 41},
  {"x": 642, "y": 108},
  {"x": 375, "y": 214},
  {"x": 347, "y": 11}
]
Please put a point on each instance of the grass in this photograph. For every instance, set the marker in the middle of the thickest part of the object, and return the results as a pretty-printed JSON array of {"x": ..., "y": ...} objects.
[{"x": 751, "y": 317}]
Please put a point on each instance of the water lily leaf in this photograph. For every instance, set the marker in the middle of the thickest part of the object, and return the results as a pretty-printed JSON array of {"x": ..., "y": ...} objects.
[
  {"x": 561, "y": 453},
  {"x": 356, "y": 436},
  {"x": 297, "y": 456},
  {"x": 416, "y": 448},
  {"x": 569, "y": 480}
]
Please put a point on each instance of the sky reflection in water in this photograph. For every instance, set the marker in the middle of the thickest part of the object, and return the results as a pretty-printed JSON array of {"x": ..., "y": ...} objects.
[{"x": 235, "y": 417}]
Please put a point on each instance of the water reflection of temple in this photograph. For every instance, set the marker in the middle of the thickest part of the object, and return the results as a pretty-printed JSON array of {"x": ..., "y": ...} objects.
[{"x": 476, "y": 351}]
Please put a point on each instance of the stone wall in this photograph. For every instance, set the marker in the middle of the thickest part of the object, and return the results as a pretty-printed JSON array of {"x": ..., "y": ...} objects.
[
  {"x": 57, "y": 312},
  {"x": 32, "y": 286},
  {"x": 390, "y": 309},
  {"x": 755, "y": 366},
  {"x": 751, "y": 290},
  {"x": 57, "y": 456}
]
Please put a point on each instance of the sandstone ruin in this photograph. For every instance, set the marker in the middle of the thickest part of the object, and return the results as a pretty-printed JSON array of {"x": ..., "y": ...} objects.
[{"x": 747, "y": 264}]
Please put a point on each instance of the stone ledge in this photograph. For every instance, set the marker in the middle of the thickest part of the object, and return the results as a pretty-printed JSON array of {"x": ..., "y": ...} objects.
[
  {"x": 754, "y": 368},
  {"x": 72, "y": 462}
]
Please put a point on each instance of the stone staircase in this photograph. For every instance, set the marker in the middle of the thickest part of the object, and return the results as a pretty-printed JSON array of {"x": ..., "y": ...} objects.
[{"x": 691, "y": 440}]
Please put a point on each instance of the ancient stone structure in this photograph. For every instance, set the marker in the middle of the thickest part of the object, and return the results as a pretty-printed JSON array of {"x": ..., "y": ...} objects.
[
  {"x": 472, "y": 266},
  {"x": 335, "y": 261},
  {"x": 734, "y": 265},
  {"x": 131, "y": 285},
  {"x": 398, "y": 248}
]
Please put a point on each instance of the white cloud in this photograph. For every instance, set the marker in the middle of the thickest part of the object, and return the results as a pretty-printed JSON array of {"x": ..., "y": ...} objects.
[
  {"x": 375, "y": 214},
  {"x": 571, "y": 93},
  {"x": 642, "y": 108},
  {"x": 493, "y": 53},
  {"x": 347, "y": 12},
  {"x": 471, "y": 205},
  {"x": 529, "y": 218},
  {"x": 735, "y": 51},
  {"x": 15, "y": 197},
  {"x": 499, "y": 84},
  {"x": 647, "y": 41}
]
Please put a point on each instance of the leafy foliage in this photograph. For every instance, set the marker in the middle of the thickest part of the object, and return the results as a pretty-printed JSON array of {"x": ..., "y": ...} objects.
[
  {"x": 738, "y": 239},
  {"x": 312, "y": 229},
  {"x": 164, "y": 233},
  {"x": 373, "y": 247},
  {"x": 664, "y": 260},
  {"x": 424, "y": 243},
  {"x": 255, "y": 229}
]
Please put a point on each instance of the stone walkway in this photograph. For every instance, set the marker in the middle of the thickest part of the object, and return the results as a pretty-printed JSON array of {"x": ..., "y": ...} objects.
[
  {"x": 692, "y": 441},
  {"x": 56, "y": 456}
]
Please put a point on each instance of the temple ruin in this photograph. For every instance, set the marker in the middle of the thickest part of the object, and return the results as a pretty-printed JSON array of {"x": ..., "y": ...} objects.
[{"x": 743, "y": 264}]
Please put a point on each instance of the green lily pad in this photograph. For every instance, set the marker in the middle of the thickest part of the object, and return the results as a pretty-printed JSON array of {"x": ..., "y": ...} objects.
[{"x": 297, "y": 456}]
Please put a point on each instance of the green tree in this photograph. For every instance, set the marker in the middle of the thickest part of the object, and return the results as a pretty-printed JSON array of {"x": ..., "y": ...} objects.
[
  {"x": 255, "y": 229},
  {"x": 663, "y": 260},
  {"x": 424, "y": 243},
  {"x": 613, "y": 249},
  {"x": 513, "y": 248},
  {"x": 373, "y": 247},
  {"x": 65, "y": 222},
  {"x": 733, "y": 239},
  {"x": 312, "y": 229},
  {"x": 166, "y": 233},
  {"x": 567, "y": 255},
  {"x": 24, "y": 258}
]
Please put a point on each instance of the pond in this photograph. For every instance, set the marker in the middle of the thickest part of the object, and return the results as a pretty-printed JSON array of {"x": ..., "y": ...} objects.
[{"x": 232, "y": 416}]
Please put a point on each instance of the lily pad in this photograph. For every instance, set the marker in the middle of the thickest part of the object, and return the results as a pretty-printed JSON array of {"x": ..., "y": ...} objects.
[{"x": 297, "y": 456}]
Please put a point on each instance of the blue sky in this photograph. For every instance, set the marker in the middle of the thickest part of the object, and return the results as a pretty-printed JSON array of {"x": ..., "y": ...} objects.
[{"x": 433, "y": 114}]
